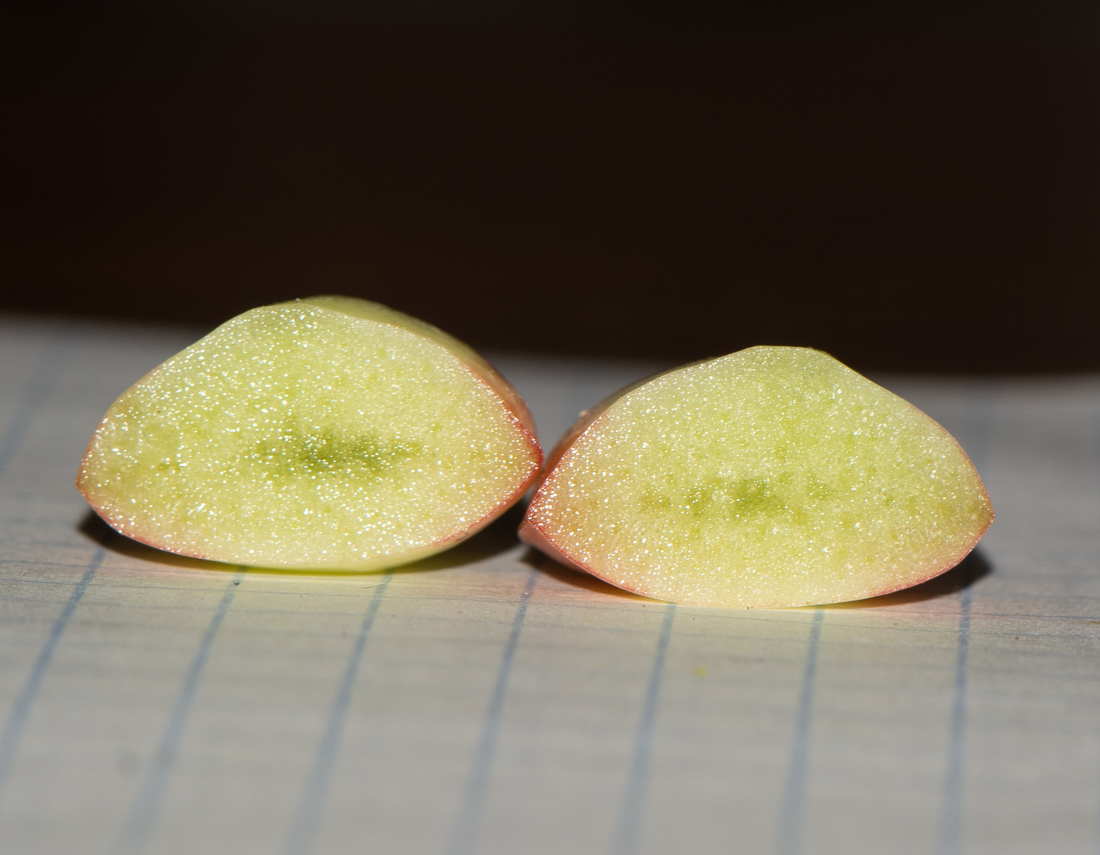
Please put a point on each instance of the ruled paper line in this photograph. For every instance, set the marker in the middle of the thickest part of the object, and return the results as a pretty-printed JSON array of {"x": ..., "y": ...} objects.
[
  {"x": 790, "y": 837},
  {"x": 17, "y": 720},
  {"x": 628, "y": 830},
  {"x": 464, "y": 839},
  {"x": 146, "y": 807},
  {"x": 303, "y": 829}
]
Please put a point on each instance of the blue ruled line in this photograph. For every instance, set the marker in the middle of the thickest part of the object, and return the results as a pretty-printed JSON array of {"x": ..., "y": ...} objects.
[
  {"x": 789, "y": 839},
  {"x": 303, "y": 829},
  {"x": 143, "y": 816},
  {"x": 949, "y": 841},
  {"x": 629, "y": 827},
  {"x": 950, "y": 836},
  {"x": 464, "y": 839},
  {"x": 13, "y": 727}
]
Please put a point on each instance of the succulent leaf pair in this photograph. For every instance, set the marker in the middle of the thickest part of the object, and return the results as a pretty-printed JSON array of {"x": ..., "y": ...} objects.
[{"x": 336, "y": 434}]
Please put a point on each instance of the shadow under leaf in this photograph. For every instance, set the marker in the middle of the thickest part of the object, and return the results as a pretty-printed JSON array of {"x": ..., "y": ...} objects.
[
  {"x": 577, "y": 578},
  {"x": 963, "y": 575},
  {"x": 496, "y": 538},
  {"x": 968, "y": 571},
  {"x": 96, "y": 530}
]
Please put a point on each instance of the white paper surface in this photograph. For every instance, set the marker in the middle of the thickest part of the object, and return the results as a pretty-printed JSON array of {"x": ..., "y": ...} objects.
[{"x": 487, "y": 701}]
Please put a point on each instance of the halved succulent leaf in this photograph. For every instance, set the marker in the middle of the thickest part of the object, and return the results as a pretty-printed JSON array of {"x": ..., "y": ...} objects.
[
  {"x": 772, "y": 477},
  {"x": 329, "y": 433}
]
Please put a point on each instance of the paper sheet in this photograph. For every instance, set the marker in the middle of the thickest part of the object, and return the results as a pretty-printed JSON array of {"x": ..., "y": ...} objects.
[{"x": 488, "y": 701}]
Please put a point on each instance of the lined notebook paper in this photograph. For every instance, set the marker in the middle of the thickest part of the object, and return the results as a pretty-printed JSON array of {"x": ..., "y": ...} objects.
[{"x": 488, "y": 701}]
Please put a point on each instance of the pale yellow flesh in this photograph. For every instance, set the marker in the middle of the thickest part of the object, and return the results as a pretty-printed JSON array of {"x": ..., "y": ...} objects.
[
  {"x": 773, "y": 477},
  {"x": 301, "y": 436}
]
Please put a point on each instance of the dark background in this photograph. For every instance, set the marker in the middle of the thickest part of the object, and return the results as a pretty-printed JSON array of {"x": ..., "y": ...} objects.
[{"x": 908, "y": 186}]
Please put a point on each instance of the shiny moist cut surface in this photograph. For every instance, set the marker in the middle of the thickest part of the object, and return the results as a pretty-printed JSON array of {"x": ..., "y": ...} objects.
[
  {"x": 329, "y": 434},
  {"x": 772, "y": 477}
]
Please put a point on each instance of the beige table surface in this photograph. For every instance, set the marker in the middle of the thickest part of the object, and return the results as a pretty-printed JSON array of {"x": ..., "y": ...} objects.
[{"x": 488, "y": 701}]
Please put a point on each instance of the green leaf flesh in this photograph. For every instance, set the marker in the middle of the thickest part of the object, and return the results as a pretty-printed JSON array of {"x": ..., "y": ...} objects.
[
  {"x": 306, "y": 436},
  {"x": 772, "y": 477}
]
